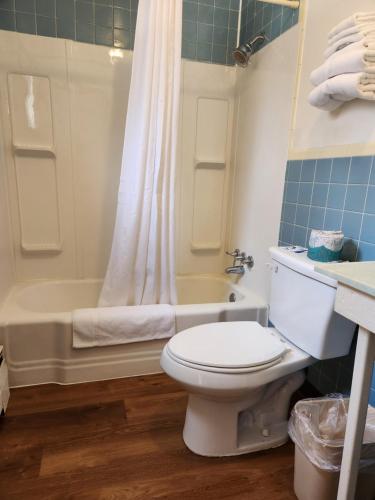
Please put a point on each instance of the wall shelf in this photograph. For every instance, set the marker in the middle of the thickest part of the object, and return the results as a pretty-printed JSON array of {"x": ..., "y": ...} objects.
[
  {"x": 32, "y": 150},
  {"x": 209, "y": 164},
  {"x": 41, "y": 248},
  {"x": 206, "y": 247}
]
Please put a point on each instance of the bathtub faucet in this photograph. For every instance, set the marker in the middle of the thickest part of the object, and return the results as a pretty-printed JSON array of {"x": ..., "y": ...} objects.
[{"x": 243, "y": 259}]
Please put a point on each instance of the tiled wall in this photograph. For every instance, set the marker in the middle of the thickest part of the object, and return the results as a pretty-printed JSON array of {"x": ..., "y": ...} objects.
[
  {"x": 209, "y": 26},
  {"x": 210, "y": 30},
  {"x": 258, "y": 17},
  {"x": 332, "y": 194},
  {"x": 104, "y": 22}
]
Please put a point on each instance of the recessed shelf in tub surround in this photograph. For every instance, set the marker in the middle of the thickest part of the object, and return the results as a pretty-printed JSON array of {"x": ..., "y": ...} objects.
[
  {"x": 32, "y": 150},
  {"x": 209, "y": 164},
  {"x": 212, "y": 145},
  {"x": 34, "y": 159},
  {"x": 211, "y": 246}
]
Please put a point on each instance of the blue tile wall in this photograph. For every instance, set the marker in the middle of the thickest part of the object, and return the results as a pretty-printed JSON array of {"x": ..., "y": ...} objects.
[
  {"x": 209, "y": 26},
  {"x": 209, "y": 31},
  {"x": 332, "y": 194},
  {"x": 273, "y": 20},
  {"x": 104, "y": 22}
]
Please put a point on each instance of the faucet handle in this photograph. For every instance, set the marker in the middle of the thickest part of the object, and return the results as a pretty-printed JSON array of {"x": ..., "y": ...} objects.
[
  {"x": 235, "y": 253},
  {"x": 248, "y": 261}
]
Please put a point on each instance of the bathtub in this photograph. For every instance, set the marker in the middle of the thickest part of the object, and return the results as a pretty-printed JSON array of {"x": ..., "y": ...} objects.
[{"x": 36, "y": 328}]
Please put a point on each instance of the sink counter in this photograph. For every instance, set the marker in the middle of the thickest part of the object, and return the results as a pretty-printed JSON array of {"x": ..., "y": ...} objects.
[
  {"x": 357, "y": 275},
  {"x": 355, "y": 300}
]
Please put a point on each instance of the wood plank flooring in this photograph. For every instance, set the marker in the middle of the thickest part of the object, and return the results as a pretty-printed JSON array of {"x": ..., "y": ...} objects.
[{"x": 122, "y": 439}]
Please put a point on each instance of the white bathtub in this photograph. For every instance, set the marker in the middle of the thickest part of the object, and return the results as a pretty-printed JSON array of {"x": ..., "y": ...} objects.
[{"x": 36, "y": 328}]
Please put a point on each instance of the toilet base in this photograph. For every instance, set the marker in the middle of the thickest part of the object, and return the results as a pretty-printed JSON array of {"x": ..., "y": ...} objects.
[{"x": 216, "y": 427}]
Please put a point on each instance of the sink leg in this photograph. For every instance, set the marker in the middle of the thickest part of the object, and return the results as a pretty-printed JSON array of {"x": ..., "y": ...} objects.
[{"x": 361, "y": 382}]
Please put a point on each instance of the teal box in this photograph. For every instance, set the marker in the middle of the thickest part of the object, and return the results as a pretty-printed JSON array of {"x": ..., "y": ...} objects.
[{"x": 323, "y": 254}]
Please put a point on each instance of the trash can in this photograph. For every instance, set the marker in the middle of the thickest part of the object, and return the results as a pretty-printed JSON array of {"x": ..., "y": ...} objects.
[{"x": 317, "y": 427}]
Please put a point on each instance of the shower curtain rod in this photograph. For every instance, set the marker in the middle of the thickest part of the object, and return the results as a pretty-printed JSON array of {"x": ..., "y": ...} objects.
[{"x": 293, "y": 4}]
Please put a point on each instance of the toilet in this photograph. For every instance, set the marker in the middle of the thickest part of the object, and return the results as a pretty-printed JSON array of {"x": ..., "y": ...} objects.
[{"x": 240, "y": 376}]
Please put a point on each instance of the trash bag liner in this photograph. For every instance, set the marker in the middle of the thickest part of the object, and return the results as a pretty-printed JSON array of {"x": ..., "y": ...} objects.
[{"x": 318, "y": 425}]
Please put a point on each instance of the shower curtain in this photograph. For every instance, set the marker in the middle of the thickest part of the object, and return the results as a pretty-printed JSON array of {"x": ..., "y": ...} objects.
[{"x": 141, "y": 268}]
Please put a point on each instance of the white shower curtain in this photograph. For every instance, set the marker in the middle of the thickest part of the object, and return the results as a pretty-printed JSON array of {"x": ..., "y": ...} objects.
[{"x": 141, "y": 268}]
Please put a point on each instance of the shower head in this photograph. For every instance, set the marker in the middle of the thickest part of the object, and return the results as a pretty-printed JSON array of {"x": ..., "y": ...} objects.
[{"x": 242, "y": 53}]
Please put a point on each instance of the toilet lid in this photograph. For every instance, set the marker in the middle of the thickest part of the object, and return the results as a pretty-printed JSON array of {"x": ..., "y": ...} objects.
[{"x": 239, "y": 344}]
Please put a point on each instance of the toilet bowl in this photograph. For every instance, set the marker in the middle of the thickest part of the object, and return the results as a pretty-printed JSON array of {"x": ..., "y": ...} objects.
[{"x": 239, "y": 377}]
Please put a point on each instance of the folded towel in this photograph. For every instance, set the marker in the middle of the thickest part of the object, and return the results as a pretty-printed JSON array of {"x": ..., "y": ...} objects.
[
  {"x": 332, "y": 93},
  {"x": 355, "y": 20},
  {"x": 348, "y": 40},
  {"x": 356, "y": 60},
  {"x": 121, "y": 325},
  {"x": 366, "y": 43},
  {"x": 363, "y": 30}
]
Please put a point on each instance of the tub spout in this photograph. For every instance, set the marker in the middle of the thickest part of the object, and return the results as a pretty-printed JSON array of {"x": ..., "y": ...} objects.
[{"x": 235, "y": 270}]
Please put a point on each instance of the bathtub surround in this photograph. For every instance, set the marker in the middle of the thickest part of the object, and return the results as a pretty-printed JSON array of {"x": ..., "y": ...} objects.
[
  {"x": 103, "y": 326},
  {"x": 81, "y": 185},
  {"x": 141, "y": 268},
  {"x": 209, "y": 28}
]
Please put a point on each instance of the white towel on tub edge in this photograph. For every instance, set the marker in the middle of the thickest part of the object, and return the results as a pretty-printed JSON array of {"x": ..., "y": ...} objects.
[{"x": 104, "y": 326}]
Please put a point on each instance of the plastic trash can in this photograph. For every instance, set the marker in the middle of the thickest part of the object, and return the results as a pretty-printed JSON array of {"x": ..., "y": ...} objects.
[{"x": 317, "y": 427}]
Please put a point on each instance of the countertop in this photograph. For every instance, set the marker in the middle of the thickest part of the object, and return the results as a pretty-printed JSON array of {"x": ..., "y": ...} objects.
[{"x": 357, "y": 275}]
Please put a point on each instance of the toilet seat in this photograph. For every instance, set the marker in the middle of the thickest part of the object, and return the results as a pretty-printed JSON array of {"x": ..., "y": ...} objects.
[{"x": 227, "y": 347}]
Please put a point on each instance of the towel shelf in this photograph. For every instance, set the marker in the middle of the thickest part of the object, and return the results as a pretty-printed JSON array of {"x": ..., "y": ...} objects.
[
  {"x": 29, "y": 150},
  {"x": 50, "y": 248},
  {"x": 209, "y": 164},
  {"x": 214, "y": 246}
]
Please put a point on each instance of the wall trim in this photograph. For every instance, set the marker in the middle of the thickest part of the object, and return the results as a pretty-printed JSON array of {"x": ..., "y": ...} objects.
[{"x": 333, "y": 152}]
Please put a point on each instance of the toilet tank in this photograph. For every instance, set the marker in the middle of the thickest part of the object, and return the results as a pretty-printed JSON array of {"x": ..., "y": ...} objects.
[{"x": 301, "y": 306}]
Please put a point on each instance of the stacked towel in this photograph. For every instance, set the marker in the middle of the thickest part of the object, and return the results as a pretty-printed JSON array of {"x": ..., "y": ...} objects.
[
  {"x": 354, "y": 21},
  {"x": 349, "y": 70},
  {"x": 357, "y": 58},
  {"x": 342, "y": 42},
  {"x": 332, "y": 93}
]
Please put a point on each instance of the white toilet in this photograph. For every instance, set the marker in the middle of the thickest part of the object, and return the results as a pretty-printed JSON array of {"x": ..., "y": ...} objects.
[{"x": 240, "y": 376}]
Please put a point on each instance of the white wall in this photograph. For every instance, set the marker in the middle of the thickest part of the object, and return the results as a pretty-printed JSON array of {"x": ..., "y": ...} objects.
[
  {"x": 264, "y": 104},
  {"x": 316, "y": 132}
]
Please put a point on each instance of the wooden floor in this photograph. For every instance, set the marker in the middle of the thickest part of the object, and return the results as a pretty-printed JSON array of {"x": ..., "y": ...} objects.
[{"x": 121, "y": 439}]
